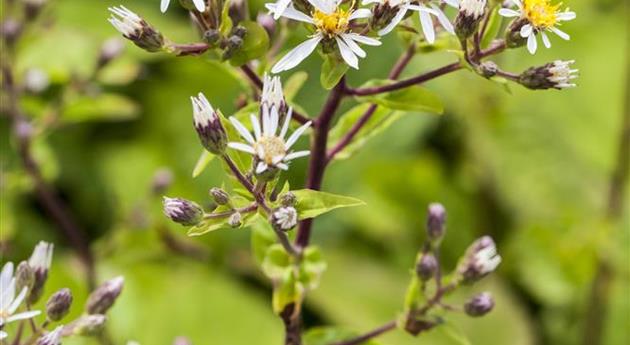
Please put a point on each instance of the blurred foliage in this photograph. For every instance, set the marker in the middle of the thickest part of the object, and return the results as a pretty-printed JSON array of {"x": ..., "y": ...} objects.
[{"x": 532, "y": 169}]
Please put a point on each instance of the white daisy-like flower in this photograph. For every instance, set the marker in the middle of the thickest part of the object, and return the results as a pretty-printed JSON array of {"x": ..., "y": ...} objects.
[
  {"x": 331, "y": 24},
  {"x": 9, "y": 302},
  {"x": 561, "y": 74},
  {"x": 200, "y": 5},
  {"x": 402, "y": 6},
  {"x": 269, "y": 147},
  {"x": 51, "y": 338},
  {"x": 541, "y": 17},
  {"x": 285, "y": 218}
]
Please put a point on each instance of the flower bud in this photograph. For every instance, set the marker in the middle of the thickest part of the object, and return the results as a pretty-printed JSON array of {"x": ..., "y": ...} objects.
[
  {"x": 89, "y": 325},
  {"x": 40, "y": 262},
  {"x": 219, "y": 196},
  {"x": 266, "y": 21},
  {"x": 212, "y": 36},
  {"x": 284, "y": 218},
  {"x": 488, "y": 69},
  {"x": 58, "y": 305},
  {"x": 513, "y": 38},
  {"x": 273, "y": 97},
  {"x": 239, "y": 31},
  {"x": 183, "y": 211},
  {"x": 24, "y": 276},
  {"x": 32, "y": 8},
  {"x": 51, "y": 338},
  {"x": 468, "y": 18},
  {"x": 383, "y": 14},
  {"x": 136, "y": 29},
  {"x": 288, "y": 199},
  {"x": 111, "y": 49},
  {"x": 426, "y": 266},
  {"x": 557, "y": 75},
  {"x": 10, "y": 30},
  {"x": 104, "y": 296},
  {"x": 208, "y": 125},
  {"x": 235, "y": 220},
  {"x": 480, "y": 259},
  {"x": 233, "y": 45},
  {"x": 436, "y": 219},
  {"x": 416, "y": 326},
  {"x": 479, "y": 305},
  {"x": 162, "y": 179}
]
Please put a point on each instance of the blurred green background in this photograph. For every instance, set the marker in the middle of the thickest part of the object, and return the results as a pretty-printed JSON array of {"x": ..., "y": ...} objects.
[{"x": 532, "y": 169}]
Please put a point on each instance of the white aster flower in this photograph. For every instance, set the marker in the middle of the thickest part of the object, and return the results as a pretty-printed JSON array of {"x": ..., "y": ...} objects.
[
  {"x": 52, "y": 337},
  {"x": 403, "y": 6},
  {"x": 285, "y": 218},
  {"x": 9, "y": 302},
  {"x": 541, "y": 16},
  {"x": 331, "y": 23},
  {"x": 200, "y": 5},
  {"x": 269, "y": 147}
]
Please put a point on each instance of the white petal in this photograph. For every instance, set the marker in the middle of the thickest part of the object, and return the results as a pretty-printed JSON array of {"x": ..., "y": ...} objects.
[
  {"x": 560, "y": 33},
  {"x": 17, "y": 301},
  {"x": 291, "y": 13},
  {"x": 277, "y": 159},
  {"x": 200, "y": 5},
  {"x": 294, "y": 155},
  {"x": 280, "y": 7},
  {"x": 545, "y": 39},
  {"x": 507, "y": 12},
  {"x": 266, "y": 121},
  {"x": 282, "y": 166},
  {"x": 452, "y": 3},
  {"x": 242, "y": 130},
  {"x": 6, "y": 276},
  {"x": 392, "y": 24},
  {"x": 23, "y": 316},
  {"x": 273, "y": 122},
  {"x": 353, "y": 46},
  {"x": 287, "y": 121},
  {"x": 532, "y": 45},
  {"x": 3, "y": 335},
  {"x": 566, "y": 15},
  {"x": 296, "y": 55},
  {"x": 367, "y": 2},
  {"x": 526, "y": 30},
  {"x": 294, "y": 137},
  {"x": 446, "y": 23},
  {"x": 164, "y": 5},
  {"x": 242, "y": 147},
  {"x": 261, "y": 167},
  {"x": 363, "y": 39},
  {"x": 7, "y": 295},
  {"x": 427, "y": 26},
  {"x": 360, "y": 13},
  {"x": 346, "y": 54},
  {"x": 325, "y": 6},
  {"x": 255, "y": 125}
]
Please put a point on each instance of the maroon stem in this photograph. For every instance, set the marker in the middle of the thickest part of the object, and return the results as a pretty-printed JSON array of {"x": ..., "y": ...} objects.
[
  {"x": 369, "y": 335},
  {"x": 317, "y": 163}
]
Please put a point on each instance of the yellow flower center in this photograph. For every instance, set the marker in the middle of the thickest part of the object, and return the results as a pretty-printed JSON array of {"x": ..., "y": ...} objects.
[
  {"x": 271, "y": 146},
  {"x": 540, "y": 13},
  {"x": 333, "y": 23}
]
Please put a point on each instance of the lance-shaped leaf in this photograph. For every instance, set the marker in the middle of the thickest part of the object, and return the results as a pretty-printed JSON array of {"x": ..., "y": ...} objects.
[
  {"x": 412, "y": 98},
  {"x": 312, "y": 203}
]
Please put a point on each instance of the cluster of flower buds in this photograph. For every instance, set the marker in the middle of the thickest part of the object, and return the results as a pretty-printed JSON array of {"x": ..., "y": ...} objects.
[
  {"x": 136, "y": 29},
  {"x": 183, "y": 211},
  {"x": 554, "y": 75},
  {"x": 233, "y": 43}
]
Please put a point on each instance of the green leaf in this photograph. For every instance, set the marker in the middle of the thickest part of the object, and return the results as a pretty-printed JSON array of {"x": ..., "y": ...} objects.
[
  {"x": 262, "y": 238},
  {"x": 454, "y": 333},
  {"x": 276, "y": 263},
  {"x": 312, "y": 203},
  {"x": 413, "y": 98},
  {"x": 255, "y": 44},
  {"x": 494, "y": 25},
  {"x": 333, "y": 69},
  {"x": 204, "y": 159},
  {"x": 293, "y": 85},
  {"x": 312, "y": 267},
  {"x": 226, "y": 22},
  {"x": 380, "y": 120},
  {"x": 111, "y": 107},
  {"x": 331, "y": 335}
]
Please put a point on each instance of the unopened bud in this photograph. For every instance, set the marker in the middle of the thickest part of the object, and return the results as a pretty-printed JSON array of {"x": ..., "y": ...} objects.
[
  {"x": 212, "y": 36},
  {"x": 104, "y": 296},
  {"x": 162, "y": 179},
  {"x": 468, "y": 18},
  {"x": 383, "y": 14},
  {"x": 58, "y": 305},
  {"x": 24, "y": 276},
  {"x": 208, "y": 125},
  {"x": 239, "y": 31},
  {"x": 513, "y": 38},
  {"x": 426, "y": 266},
  {"x": 32, "y": 8},
  {"x": 219, "y": 196},
  {"x": 183, "y": 211},
  {"x": 267, "y": 22},
  {"x": 479, "y": 305},
  {"x": 288, "y": 199},
  {"x": 436, "y": 222},
  {"x": 111, "y": 49},
  {"x": 554, "y": 75},
  {"x": 488, "y": 69},
  {"x": 40, "y": 262},
  {"x": 235, "y": 220},
  {"x": 233, "y": 44},
  {"x": 51, "y": 338},
  {"x": 480, "y": 259},
  {"x": 416, "y": 326},
  {"x": 136, "y": 29},
  {"x": 10, "y": 30},
  {"x": 284, "y": 218},
  {"x": 89, "y": 325}
]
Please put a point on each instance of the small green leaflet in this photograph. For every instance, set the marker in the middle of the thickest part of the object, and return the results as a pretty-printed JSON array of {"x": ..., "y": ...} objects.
[
  {"x": 413, "y": 98},
  {"x": 312, "y": 203}
]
